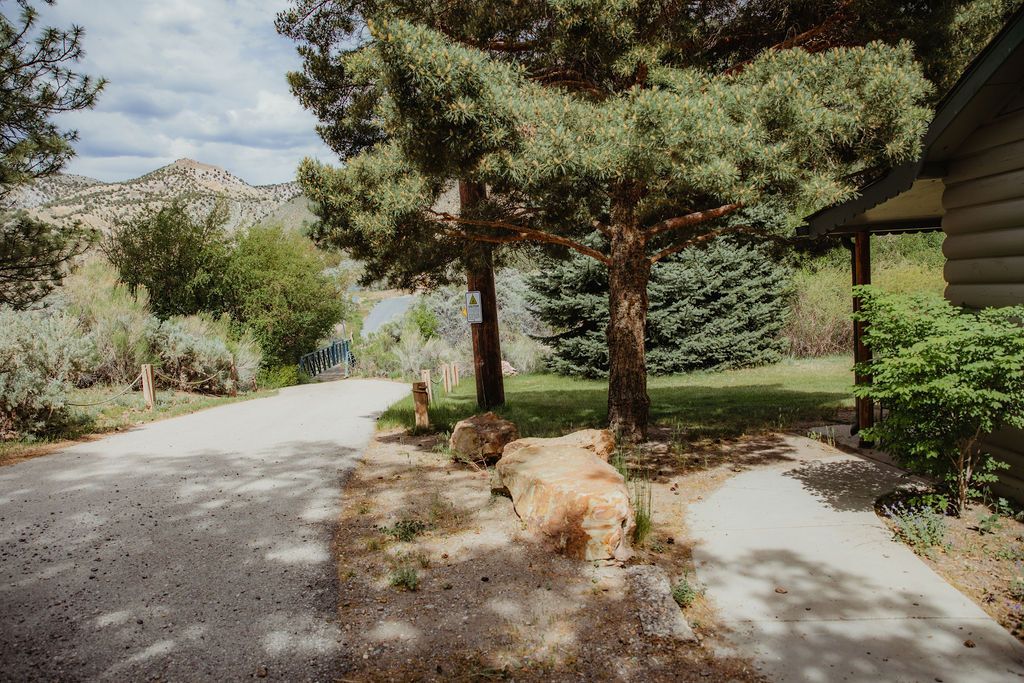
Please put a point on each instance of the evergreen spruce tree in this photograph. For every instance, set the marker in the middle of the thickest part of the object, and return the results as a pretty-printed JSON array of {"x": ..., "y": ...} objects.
[
  {"x": 711, "y": 308},
  {"x": 661, "y": 125}
]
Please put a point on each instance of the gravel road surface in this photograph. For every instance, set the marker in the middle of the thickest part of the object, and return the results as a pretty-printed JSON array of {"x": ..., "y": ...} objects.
[{"x": 196, "y": 548}]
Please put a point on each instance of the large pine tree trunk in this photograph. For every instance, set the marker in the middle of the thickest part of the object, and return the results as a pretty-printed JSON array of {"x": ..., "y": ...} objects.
[
  {"x": 628, "y": 274},
  {"x": 490, "y": 384}
]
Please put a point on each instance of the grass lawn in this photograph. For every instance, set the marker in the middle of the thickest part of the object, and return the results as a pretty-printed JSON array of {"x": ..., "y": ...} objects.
[
  {"x": 695, "y": 406},
  {"x": 125, "y": 411}
]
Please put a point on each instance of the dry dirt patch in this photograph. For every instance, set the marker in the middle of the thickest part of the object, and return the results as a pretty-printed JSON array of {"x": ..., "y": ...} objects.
[{"x": 490, "y": 602}]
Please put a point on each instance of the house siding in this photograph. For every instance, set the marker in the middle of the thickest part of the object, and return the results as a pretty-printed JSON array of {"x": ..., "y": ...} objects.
[{"x": 984, "y": 245}]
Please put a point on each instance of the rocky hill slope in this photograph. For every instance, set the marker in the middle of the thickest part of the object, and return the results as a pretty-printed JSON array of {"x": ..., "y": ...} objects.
[{"x": 65, "y": 199}]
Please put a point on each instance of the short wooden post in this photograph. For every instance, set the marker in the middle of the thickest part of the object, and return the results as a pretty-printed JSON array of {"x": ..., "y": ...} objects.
[
  {"x": 148, "y": 391},
  {"x": 425, "y": 378},
  {"x": 421, "y": 400},
  {"x": 447, "y": 378},
  {"x": 455, "y": 373}
]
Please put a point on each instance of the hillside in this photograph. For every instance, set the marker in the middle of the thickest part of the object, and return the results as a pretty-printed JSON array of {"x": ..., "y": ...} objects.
[{"x": 67, "y": 198}]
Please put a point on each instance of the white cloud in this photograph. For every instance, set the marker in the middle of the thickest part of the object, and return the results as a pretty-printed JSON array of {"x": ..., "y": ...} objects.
[{"x": 198, "y": 78}]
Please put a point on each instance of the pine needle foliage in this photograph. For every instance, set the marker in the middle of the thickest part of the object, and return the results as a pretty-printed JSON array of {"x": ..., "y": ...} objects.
[
  {"x": 718, "y": 307},
  {"x": 662, "y": 125}
]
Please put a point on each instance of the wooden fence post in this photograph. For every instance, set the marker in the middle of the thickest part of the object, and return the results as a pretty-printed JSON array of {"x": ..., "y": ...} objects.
[
  {"x": 447, "y": 378},
  {"x": 148, "y": 392},
  {"x": 425, "y": 378},
  {"x": 420, "y": 402},
  {"x": 455, "y": 373}
]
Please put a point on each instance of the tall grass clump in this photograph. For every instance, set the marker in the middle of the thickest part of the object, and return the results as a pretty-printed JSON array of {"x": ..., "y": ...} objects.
[{"x": 117, "y": 321}]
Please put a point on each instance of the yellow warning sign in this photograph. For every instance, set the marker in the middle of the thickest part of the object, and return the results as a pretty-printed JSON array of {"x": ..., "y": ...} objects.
[{"x": 474, "y": 310}]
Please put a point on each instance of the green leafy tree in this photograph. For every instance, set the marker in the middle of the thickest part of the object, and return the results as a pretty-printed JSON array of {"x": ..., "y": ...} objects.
[
  {"x": 180, "y": 260},
  {"x": 279, "y": 290},
  {"x": 37, "y": 83},
  {"x": 721, "y": 306},
  {"x": 34, "y": 257},
  {"x": 947, "y": 377}
]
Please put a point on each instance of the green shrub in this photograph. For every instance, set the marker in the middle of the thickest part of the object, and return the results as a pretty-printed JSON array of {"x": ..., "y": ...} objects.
[
  {"x": 922, "y": 528},
  {"x": 948, "y": 377},
  {"x": 685, "y": 593},
  {"x": 279, "y": 377},
  {"x": 278, "y": 286},
  {"x": 405, "y": 530},
  {"x": 180, "y": 260},
  {"x": 717, "y": 307},
  {"x": 405, "y": 578},
  {"x": 42, "y": 354}
]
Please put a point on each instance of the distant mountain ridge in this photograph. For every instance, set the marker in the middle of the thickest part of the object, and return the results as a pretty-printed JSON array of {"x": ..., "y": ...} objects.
[{"x": 66, "y": 199}]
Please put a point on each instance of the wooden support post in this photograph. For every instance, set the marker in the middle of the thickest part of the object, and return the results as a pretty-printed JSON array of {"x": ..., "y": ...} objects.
[
  {"x": 425, "y": 378},
  {"x": 455, "y": 374},
  {"x": 861, "y": 256},
  {"x": 446, "y": 377},
  {"x": 490, "y": 384},
  {"x": 148, "y": 383},
  {"x": 420, "y": 402}
]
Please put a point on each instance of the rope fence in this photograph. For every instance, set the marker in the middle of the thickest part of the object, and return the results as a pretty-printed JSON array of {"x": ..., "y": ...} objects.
[
  {"x": 189, "y": 384},
  {"x": 108, "y": 400}
]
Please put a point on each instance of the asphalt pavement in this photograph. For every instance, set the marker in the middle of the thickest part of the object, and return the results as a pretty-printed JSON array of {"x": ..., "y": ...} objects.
[{"x": 195, "y": 548}]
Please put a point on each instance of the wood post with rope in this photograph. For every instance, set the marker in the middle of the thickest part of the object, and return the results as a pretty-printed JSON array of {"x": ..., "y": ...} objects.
[
  {"x": 455, "y": 374},
  {"x": 446, "y": 377},
  {"x": 148, "y": 386},
  {"x": 425, "y": 378},
  {"x": 420, "y": 403}
]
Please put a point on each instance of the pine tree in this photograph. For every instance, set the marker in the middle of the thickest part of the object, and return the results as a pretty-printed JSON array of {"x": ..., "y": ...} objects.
[
  {"x": 36, "y": 84},
  {"x": 660, "y": 124},
  {"x": 712, "y": 308}
]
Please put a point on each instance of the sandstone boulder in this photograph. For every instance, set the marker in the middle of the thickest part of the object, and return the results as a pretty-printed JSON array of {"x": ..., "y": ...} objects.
[
  {"x": 482, "y": 437},
  {"x": 576, "y": 500},
  {"x": 600, "y": 442}
]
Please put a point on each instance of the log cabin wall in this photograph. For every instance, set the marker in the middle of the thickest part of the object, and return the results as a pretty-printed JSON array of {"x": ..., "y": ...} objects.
[{"x": 984, "y": 244}]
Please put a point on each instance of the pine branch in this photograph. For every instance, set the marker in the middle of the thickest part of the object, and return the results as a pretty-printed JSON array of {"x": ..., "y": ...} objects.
[
  {"x": 694, "y": 218},
  {"x": 535, "y": 235},
  {"x": 676, "y": 248}
]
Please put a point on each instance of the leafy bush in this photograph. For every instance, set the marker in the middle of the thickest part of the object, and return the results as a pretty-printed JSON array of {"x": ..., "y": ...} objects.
[
  {"x": 948, "y": 377},
  {"x": 180, "y": 260},
  {"x": 279, "y": 377},
  {"x": 41, "y": 356},
  {"x": 922, "y": 528},
  {"x": 276, "y": 285},
  {"x": 718, "y": 307}
]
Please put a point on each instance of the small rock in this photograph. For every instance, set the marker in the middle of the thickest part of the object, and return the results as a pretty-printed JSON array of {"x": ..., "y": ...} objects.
[
  {"x": 969, "y": 643},
  {"x": 660, "y": 616},
  {"x": 780, "y": 590},
  {"x": 261, "y": 672},
  {"x": 482, "y": 437}
]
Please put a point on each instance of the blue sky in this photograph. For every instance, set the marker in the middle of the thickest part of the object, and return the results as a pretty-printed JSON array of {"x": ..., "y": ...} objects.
[{"x": 203, "y": 79}]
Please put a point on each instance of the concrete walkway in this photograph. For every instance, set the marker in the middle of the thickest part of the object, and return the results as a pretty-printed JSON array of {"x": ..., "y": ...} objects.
[
  {"x": 196, "y": 548},
  {"x": 813, "y": 588}
]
